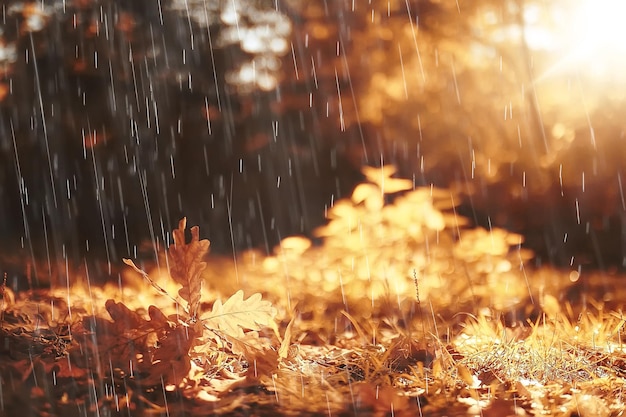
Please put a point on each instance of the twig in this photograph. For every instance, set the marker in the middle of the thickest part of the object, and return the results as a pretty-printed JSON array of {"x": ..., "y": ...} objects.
[
  {"x": 144, "y": 274},
  {"x": 419, "y": 303}
]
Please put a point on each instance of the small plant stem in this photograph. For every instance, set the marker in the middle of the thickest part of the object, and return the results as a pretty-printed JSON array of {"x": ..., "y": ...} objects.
[{"x": 419, "y": 303}]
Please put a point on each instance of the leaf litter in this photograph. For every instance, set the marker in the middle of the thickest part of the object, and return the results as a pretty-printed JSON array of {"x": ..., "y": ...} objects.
[{"x": 403, "y": 310}]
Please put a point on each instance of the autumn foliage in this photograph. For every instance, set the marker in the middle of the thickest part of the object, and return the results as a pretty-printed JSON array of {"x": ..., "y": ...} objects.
[
  {"x": 157, "y": 351},
  {"x": 346, "y": 332}
]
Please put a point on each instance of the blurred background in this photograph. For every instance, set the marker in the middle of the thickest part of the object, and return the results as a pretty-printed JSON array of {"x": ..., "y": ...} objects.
[{"x": 253, "y": 117}]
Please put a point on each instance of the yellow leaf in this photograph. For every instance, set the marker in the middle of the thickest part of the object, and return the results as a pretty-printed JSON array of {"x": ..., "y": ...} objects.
[
  {"x": 465, "y": 375},
  {"x": 382, "y": 178},
  {"x": 376, "y": 175},
  {"x": 237, "y": 314},
  {"x": 293, "y": 245},
  {"x": 283, "y": 352},
  {"x": 370, "y": 195},
  {"x": 437, "y": 370}
]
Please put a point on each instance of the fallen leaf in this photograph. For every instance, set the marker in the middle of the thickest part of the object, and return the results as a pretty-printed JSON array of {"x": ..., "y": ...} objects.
[
  {"x": 283, "y": 351},
  {"x": 237, "y": 314}
]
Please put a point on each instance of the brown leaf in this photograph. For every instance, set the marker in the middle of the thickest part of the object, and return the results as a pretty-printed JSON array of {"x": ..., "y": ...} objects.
[
  {"x": 262, "y": 360},
  {"x": 151, "y": 351},
  {"x": 263, "y": 364},
  {"x": 123, "y": 317},
  {"x": 382, "y": 400},
  {"x": 170, "y": 362},
  {"x": 186, "y": 265},
  {"x": 157, "y": 317}
]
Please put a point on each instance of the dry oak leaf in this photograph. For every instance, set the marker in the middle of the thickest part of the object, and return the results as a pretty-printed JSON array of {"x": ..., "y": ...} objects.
[
  {"x": 380, "y": 400},
  {"x": 186, "y": 265},
  {"x": 236, "y": 315},
  {"x": 262, "y": 358},
  {"x": 153, "y": 351}
]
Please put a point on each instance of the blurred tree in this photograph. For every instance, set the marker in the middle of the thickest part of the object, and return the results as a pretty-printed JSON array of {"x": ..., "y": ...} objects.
[{"x": 254, "y": 120}]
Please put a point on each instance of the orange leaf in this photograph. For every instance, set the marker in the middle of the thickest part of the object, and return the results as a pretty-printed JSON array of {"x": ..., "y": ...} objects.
[{"x": 186, "y": 265}]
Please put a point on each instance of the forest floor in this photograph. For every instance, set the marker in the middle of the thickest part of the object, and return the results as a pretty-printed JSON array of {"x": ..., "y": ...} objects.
[{"x": 402, "y": 310}]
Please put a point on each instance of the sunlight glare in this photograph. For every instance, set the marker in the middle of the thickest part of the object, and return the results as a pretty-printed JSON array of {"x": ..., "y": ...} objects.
[
  {"x": 597, "y": 32},
  {"x": 588, "y": 36}
]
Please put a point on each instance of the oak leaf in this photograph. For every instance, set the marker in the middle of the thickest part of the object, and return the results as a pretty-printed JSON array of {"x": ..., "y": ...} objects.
[
  {"x": 151, "y": 351},
  {"x": 236, "y": 315},
  {"x": 261, "y": 363},
  {"x": 261, "y": 356},
  {"x": 186, "y": 265}
]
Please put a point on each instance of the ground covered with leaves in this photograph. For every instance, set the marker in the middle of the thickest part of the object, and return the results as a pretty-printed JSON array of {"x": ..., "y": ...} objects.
[{"x": 403, "y": 309}]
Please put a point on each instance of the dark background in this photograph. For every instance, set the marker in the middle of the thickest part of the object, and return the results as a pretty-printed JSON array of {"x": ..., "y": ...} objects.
[{"x": 66, "y": 200}]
